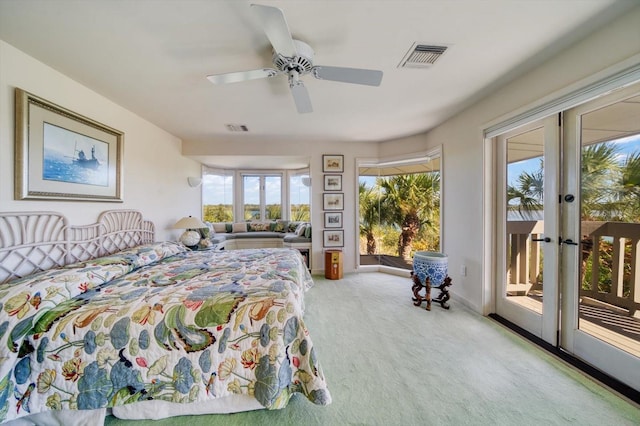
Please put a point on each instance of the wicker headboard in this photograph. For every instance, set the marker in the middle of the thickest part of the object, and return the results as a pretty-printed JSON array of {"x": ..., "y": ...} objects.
[{"x": 37, "y": 241}]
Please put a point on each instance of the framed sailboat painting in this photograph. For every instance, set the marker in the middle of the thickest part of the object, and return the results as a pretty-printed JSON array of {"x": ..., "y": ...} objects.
[{"x": 63, "y": 155}]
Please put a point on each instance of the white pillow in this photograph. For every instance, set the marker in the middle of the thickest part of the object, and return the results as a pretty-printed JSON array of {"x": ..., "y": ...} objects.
[
  {"x": 220, "y": 228},
  {"x": 300, "y": 229},
  {"x": 209, "y": 227},
  {"x": 239, "y": 227}
]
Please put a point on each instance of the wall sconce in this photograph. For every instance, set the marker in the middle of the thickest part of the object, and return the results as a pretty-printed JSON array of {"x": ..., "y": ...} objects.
[
  {"x": 194, "y": 181},
  {"x": 306, "y": 181},
  {"x": 191, "y": 236}
]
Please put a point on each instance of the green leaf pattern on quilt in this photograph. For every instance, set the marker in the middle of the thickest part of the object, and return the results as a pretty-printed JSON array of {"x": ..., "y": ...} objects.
[{"x": 167, "y": 325}]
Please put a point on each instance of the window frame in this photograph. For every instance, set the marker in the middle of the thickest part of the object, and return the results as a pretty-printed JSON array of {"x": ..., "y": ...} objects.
[
  {"x": 433, "y": 154},
  {"x": 224, "y": 174},
  {"x": 262, "y": 175},
  {"x": 302, "y": 173}
]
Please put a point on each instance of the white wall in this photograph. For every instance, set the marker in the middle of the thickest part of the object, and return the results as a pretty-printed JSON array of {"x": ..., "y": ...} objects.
[{"x": 155, "y": 172}]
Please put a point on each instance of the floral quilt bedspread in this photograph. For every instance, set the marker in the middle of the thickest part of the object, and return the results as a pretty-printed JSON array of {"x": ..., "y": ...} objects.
[{"x": 156, "y": 322}]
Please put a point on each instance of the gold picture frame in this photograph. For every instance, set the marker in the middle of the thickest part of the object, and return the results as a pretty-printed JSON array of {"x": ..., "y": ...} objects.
[{"x": 62, "y": 155}]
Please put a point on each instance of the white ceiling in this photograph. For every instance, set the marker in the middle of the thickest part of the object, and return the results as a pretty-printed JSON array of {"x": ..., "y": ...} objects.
[{"x": 152, "y": 57}]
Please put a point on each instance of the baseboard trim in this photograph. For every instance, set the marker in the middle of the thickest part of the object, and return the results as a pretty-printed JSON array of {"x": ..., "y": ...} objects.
[{"x": 610, "y": 382}]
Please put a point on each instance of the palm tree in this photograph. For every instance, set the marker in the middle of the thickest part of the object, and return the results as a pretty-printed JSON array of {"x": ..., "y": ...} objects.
[
  {"x": 629, "y": 184},
  {"x": 600, "y": 178},
  {"x": 369, "y": 214},
  {"x": 600, "y": 184},
  {"x": 609, "y": 190},
  {"x": 528, "y": 194},
  {"x": 411, "y": 201}
]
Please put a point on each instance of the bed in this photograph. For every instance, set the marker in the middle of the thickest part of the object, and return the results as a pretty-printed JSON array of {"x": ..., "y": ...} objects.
[{"x": 100, "y": 319}]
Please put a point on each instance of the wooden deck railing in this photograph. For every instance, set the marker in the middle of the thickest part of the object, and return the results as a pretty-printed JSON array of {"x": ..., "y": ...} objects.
[
  {"x": 523, "y": 258},
  {"x": 523, "y": 261}
]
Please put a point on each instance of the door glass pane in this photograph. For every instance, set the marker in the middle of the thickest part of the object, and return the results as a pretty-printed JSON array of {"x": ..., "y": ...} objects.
[
  {"x": 609, "y": 297},
  {"x": 525, "y": 214},
  {"x": 273, "y": 197},
  {"x": 251, "y": 197}
]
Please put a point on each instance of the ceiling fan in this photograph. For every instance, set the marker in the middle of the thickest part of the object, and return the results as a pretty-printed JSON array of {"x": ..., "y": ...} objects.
[{"x": 294, "y": 58}]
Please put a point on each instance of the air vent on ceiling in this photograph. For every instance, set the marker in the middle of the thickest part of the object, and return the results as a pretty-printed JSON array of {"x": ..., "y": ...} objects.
[
  {"x": 422, "y": 55},
  {"x": 237, "y": 127}
]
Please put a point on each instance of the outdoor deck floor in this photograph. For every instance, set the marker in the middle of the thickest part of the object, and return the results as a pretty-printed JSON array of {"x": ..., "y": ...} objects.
[
  {"x": 614, "y": 328},
  {"x": 609, "y": 326}
]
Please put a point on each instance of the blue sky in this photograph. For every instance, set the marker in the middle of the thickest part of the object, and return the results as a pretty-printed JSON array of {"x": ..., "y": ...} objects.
[{"x": 217, "y": 189}]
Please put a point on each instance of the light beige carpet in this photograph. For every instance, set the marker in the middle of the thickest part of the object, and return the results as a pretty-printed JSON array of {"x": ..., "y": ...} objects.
[{"x": 388, "y": 362}]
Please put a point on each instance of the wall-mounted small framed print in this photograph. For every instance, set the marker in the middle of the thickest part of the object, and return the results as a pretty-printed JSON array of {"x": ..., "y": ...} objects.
[
  {"x": 334, "y": 238},
  {"x": 332, "y": 201},
  {"x": 333, "y": 182},
  {"x": 333, "y": 163},
  {"x": 333, "y": 219}
]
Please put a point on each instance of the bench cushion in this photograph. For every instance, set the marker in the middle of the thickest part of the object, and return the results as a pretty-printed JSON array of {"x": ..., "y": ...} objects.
[{"x": 261, "y": 231}]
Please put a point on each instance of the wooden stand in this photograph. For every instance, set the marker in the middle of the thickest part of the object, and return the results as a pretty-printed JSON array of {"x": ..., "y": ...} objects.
[
  {"x": 444, "y": 293},
  {"x": 333, "y": 264},
  {"x": 418, "y": 286}
]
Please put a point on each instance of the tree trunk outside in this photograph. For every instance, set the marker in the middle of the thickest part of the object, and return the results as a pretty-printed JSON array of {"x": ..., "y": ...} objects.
[
  {"x": 410, "y": 228},
  {"x": 371, "y": 243}
]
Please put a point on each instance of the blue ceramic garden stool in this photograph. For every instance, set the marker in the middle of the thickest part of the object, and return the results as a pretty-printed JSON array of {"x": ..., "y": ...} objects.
[{"x": 430, "y": 270}]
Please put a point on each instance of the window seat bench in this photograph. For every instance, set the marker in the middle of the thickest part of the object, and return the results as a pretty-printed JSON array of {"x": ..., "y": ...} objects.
[
  {"x": 258, "y": 240},
  {"x": 240, "y": 239}
]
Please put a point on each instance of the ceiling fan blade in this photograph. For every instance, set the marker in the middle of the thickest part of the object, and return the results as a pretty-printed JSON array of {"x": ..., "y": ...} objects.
[
  {"x": 276, "y": 28},
  {"x": 234, "y": 77},
  {"x": 348, "y": 75},
  {"x": 301, "y": 98}
]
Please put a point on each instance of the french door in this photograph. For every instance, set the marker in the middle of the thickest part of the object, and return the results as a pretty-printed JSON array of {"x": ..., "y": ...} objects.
[
  {"x": 568, "y": 234},
  {"x": 601, "y": 273},
  {"x": 527, "y": 261}
]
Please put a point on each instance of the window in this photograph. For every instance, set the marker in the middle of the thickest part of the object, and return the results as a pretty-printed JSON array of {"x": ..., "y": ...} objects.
[
  {"x": 276, "y": 194},
  {"x": 273, "y": 197},
  {"x": 299, "y": 196},
  {"x": 217, "y": 196},
  {"x": 262, "y": 196},
  {"x": 399, "y": 210}
]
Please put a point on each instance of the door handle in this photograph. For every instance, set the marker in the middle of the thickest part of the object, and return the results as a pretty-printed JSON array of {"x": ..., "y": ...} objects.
[
  {"x": 568, "y": 241},
  {"x": 545, "y": 239}
]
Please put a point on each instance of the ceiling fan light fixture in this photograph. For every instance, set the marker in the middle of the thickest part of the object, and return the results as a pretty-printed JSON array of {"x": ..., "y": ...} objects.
[
  {"x": 301, "y": 62},
  {"x": 422, "y": 55}
]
